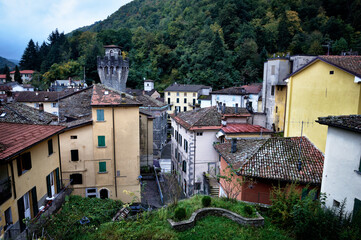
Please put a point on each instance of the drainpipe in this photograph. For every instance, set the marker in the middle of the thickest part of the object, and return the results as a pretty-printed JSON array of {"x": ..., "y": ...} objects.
[
  {"x": 115, "y": 165},
  {"x": 13, "y": 179}
]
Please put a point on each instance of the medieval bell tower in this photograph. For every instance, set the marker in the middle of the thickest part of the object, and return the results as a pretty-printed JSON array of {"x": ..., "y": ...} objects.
[{"x": 113, "y": 69}]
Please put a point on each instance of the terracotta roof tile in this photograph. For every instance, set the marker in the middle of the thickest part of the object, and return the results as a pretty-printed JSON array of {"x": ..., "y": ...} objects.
[
  {"x": 243, "y": 128},
  {"x": 16, "y": 138},
  {"x": 276, "y": 158},
  {"x": 231, "y": 91},
  {"x": 24, "y": 72},
  {"x": 349, "y": 122},
  {"x": 253, "y": 88},
  {"x": 106, "y": 96}
]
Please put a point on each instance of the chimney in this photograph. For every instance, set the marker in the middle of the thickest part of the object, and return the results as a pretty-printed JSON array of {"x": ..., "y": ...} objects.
[
  {"x": 224, "y": 108},
  {"x": 123, "y": 97},
  {"x": 234, "y": 145},
  {"x": 134, "y": 96},
  {"x": 41, "y": 107},
  {"x": 236, "y": 109}
]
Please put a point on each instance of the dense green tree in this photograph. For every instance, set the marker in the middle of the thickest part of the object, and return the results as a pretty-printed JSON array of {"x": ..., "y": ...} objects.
[
  {"x": 17, "y": 76},
  {"x": 29, "y": 60},
  {"x": 339, "y": 46}
]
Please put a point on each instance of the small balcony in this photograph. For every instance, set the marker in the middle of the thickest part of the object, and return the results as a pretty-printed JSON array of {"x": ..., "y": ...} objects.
[{"x": 5, "y": 190}]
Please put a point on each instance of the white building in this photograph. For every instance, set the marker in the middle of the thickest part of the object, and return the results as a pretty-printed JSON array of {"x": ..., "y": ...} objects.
[
  {"x": 341, "y": 177},
  {"x": 193, "y": 136},
  {"x": 246, "y": 95}
]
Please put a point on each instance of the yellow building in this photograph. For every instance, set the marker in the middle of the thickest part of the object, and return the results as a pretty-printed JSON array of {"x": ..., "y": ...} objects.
[
  {"x": 184, "y": 97},
  {"x": 29, "y": 172},
  {"x": 101, "y": 153},
  {"x": 329, "y": 85}
]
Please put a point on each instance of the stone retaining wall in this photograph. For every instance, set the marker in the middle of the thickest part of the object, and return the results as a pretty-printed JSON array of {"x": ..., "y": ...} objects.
[{"x": 200, "y": 213}]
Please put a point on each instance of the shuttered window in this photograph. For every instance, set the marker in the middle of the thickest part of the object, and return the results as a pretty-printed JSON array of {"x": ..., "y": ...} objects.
[
  {"x": 50, "y": 147},
  {"x": 23, "y": 163},
  {"x": 102, "y": 167},
  {"x": 100, "y": 115},
  {"x": 101, "y": 141},
  {"x": 74, "y": 155}
]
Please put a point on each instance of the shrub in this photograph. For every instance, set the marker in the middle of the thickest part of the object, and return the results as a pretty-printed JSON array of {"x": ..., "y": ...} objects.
[
  {"x": 248, "y": 210},
  {"x": 206, "y": 201},
  {"x": 180, "y": 213}
]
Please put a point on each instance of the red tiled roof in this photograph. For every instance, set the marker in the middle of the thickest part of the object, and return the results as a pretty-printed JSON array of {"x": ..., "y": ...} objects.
[
  {"x": 243, "y": 128},
  {"x": 2, "y": 75},
  {"x": 105, "y": 96},
  {"x": 24, "y": 72},
  {"x": 253, "y": 88},
  {"x": 276, "y": 159},
  {"x": 16, "y": 138}
]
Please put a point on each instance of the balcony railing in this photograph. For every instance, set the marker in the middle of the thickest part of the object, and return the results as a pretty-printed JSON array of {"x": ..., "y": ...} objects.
[{"x": 5, "y": 190}]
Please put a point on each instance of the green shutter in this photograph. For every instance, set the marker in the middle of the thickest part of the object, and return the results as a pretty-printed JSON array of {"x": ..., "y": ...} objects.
[
  {"x": 35, "y": 201},
  {"x": 101, "y": 141},
  {"x": 102, "y": 166},
  {"x": 48, "y": 187},
  {"x": 100, "y": 115},
  {"x": 21, "y": 211},
  {"x": 57, "y": 177}
]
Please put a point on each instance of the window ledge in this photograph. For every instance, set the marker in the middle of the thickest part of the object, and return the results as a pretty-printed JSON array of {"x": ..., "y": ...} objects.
[
  {"x": 101, "y": 146},
  {"x": 103, "y": 172},
  {"x": 100, "y": 121},
  {"x": 358, "y": 172}
]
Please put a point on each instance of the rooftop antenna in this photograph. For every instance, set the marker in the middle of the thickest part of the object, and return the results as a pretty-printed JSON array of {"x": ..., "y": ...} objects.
[{"x": 299, "y": 152}]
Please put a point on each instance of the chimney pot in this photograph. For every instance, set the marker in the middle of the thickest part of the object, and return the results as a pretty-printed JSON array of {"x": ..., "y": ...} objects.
[
  {"x": 224, "y": 108},
  {"x": 123, "y": 97},
  {"x": 236, "y": 109}
]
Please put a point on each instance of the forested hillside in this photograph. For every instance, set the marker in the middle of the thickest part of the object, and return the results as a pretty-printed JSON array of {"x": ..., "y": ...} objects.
[
  {"x": 5, "y": 62},
  {"x": 214, "y": 42}
]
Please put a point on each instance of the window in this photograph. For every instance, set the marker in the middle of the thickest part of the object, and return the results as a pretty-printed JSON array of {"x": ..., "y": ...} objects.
[
  {"x": 177, "y": 100},
  {"x": 76, "y": 178},
  {"x": 199, "y": 133},
  {"x": 332, "y": 72},
  {"x": 185, "y": 109},
  {"x": 50, "y": 147},
  {"x": 176, "y": 153},
  {"x": 23, "y": 163},
  {"x": 73, "y": 137},
  {"x": 185, "y": 100},
  {"x": 101, "y": 141},
  {"x": 273, "y": 90},
  {"x": 273, "y": 69},
  {"x": 102, "y": 167},
  {"x": 168, "y": 100},
  {"x": 36, "y": 105},
  {"x": 91, "y": 192},
  {"x": 276, "y": 109},
  {"x": 198, "y": 186},
  {"x": 168, "y": 93},
  {"x": 54, "y": 105},
  {"x": 74, "y": 155},
  {"x": 194, "y": 94},
  {"x": 177, "y": 93},
  {"x": 194, "y": 102},
  {"x": 186, "y": 146},
  {"x": 184, "y": 166},
  {"x": 176, "y": 135},
  {"x": 180, "y": 140},
  {"x": 185, "y": 94},
  {"x": 100, "y": 114}
]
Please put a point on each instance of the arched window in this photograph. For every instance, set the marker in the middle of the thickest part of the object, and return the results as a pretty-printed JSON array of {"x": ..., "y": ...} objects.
[{"x": 103, "y": 193}]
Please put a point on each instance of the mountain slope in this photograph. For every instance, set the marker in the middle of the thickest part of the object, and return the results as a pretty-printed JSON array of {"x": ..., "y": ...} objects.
[{"x": 4, "y": 61}]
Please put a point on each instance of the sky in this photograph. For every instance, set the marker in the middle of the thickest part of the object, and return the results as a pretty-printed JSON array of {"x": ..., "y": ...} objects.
[{"x": 22, "y": 20}]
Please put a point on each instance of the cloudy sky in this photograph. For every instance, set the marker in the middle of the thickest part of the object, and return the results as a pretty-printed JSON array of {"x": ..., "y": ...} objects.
[{"x": 22, "y": 20}]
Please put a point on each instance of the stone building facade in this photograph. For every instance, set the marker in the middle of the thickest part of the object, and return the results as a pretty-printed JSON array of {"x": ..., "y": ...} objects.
[{"x": 113, "y": 69}]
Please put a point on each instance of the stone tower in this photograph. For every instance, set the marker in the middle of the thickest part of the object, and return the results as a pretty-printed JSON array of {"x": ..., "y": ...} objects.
[{"x": 113, "y": 69}]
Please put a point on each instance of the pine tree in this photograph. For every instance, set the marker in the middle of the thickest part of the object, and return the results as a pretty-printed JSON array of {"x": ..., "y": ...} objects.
[
  {"x": 29, "y": 58},
  {"x": 17, "y": 75},
  {"x": 7, "y": 73}
]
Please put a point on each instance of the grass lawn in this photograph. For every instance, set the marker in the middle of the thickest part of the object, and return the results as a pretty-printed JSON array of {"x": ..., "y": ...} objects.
[{"x": 154, "y": 225}]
